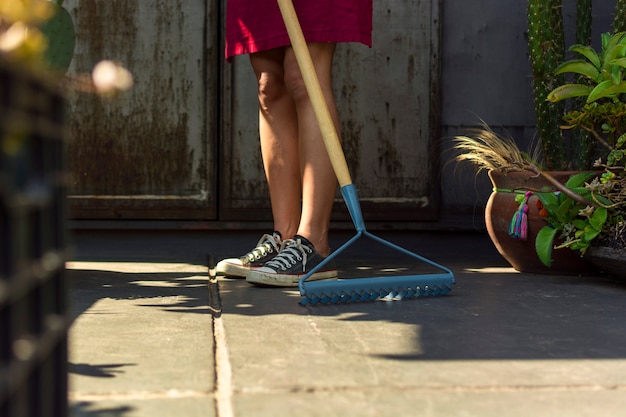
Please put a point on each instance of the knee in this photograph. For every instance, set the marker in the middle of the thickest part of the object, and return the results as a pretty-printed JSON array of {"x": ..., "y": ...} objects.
[
  {"x": 271, "y": 88},
  {"x": 295, "y": 84}
]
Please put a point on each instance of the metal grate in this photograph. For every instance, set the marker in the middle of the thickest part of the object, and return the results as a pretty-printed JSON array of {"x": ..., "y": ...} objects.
[{"x": 34, "y": 316}]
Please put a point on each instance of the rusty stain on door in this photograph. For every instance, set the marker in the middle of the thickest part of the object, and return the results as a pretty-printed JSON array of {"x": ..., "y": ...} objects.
[{"x": 146, "y": 154}]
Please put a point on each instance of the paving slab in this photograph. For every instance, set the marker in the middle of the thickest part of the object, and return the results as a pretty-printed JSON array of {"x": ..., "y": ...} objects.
[
  {"x": 153, "y": 337},
  {"x": 420, "y": 403},
  {"x": 142, "y": 341},
  {"x": 501, "y": 343}
]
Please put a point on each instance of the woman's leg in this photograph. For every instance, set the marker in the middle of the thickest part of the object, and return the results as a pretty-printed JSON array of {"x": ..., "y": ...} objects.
[
  {"x": 319, "y": 182},
  {"x": 278, "y": 130}
]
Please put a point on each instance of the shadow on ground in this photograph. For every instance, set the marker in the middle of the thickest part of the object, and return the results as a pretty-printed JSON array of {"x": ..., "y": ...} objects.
[{"x": 493, "y": 312}]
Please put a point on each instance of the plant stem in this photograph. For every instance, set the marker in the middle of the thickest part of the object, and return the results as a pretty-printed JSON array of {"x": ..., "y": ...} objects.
[
  {"x": 559, "y": 185},
  {"x": 599, "y": 138}
]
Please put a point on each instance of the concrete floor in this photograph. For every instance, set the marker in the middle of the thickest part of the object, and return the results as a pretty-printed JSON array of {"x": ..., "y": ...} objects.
[{"x": 153, "y": 337}]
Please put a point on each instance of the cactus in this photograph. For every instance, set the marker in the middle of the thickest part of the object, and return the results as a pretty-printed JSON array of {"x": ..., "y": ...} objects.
[
  {"x": 547, "y": 51},
  {"x": 582, "y": 143},
  {"x": 619, "y": 24},
  {"x": 546, "y": 44},
  {"x": 583, "y": 22}
]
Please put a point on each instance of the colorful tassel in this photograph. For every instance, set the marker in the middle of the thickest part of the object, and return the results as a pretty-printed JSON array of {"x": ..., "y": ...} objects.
[{"x": 519, "y": 224}]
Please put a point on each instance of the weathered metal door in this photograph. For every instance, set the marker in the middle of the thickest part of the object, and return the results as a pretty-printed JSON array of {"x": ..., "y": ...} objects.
[
  {"x": 388, "y": 98},
  {"x": 151, "y": 154},
  {"x": 148, "y": 154}
]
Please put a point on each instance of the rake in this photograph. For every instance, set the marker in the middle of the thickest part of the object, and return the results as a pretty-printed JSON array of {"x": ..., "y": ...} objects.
[{"x": 354, "y": 289}]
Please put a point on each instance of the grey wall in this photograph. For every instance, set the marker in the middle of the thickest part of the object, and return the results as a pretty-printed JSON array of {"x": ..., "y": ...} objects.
[{"x": 486, "y": 74}]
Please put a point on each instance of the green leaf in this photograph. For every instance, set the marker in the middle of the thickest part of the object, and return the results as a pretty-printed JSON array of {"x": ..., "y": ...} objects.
[
  {"x": 620, "y": 62},
  {"x": 619, "y": 51},
  {"x": 616, "y": 74},
  {"x": 578, "y": 180},
  {"x": 548, "y": 199},
  {"x": 583, "y": 192},
  {"x": 580, "y": 246},
  {"x": 544, "y": 244},
  {"x": 588, "y": 52},
  {"x": 564, "y": 213},
  {"x": 590, "y": 234},
  {"x": 552, "y": 214},
  {"x": 606, "y": 89},
  {"x": 579, "y": 67},
  {"x": 613, "y": 48},
  {"x": 568, "y": 91},
  {"x": 580, "y": 224},
  {"x": 598, "y": 218},
  {"x": 605, "y": 37},
  {"x": 606, "y": 74}
]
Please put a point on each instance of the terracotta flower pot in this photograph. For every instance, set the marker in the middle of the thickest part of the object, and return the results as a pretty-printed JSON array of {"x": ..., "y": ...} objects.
[{"x": 521, "y": 254}]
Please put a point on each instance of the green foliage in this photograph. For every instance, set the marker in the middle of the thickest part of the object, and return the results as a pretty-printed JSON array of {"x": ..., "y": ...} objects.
[
  {"x": 544, "y": 244},
  {"x": 590, "y": 206},
  {"x": 606, "y": 121},
  {"x": 546, "y": 51},
  {"x": 604, "y": 71},
  {"x": 570, "y": 223},
  {"x": 602, "y": 114}
]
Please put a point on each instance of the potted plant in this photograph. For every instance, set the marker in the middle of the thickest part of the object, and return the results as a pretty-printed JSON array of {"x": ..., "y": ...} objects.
[
  {"x": 599, "y": 110},
  {"x": 512, "y": 214},
  {"x": 513, "y": 211}
]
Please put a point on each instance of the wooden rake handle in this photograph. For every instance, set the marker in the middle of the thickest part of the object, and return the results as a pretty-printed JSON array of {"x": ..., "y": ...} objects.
[{"x": 313, "y": 88}]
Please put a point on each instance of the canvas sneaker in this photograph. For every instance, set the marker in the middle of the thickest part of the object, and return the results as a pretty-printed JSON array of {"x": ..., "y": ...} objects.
[
  {"x": 266, "y": 249},
  {"x": 296, "y": 258}
]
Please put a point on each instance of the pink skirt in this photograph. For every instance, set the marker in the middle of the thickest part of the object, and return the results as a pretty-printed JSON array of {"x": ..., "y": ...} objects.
[{"x": 257, "y": 25}]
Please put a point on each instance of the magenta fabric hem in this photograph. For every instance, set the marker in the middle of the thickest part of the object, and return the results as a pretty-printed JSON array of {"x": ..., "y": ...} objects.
[
  {"x": 283, "y": 40},
  {"x": 257, "y": 25}
]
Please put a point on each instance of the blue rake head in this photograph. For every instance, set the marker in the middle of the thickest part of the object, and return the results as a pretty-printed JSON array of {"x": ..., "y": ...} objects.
[{"x": 371, "y": 289}]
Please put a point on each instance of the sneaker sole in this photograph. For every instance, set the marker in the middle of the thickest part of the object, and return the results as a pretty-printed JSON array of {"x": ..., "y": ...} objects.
[
  {"x": 232, "y": 270},
  {"x": 278, "y": 280}
]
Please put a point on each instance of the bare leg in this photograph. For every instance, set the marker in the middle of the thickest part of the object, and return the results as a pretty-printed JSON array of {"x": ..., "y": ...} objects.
[
  {"x": 295, "y": 159},
  {"x": 278, "y": 130},
  {"x": 319, "y": 182}
]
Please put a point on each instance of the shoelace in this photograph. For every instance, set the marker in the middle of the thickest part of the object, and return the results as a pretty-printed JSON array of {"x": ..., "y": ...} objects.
[
  {"x": 265, "y": 245},
  {"x": 291, "y": 251}
]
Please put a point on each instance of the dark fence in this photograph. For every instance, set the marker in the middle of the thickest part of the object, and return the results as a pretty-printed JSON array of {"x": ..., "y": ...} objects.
[{"x": 34, "y": 316}]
